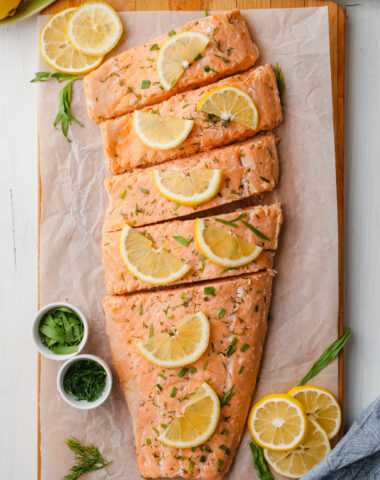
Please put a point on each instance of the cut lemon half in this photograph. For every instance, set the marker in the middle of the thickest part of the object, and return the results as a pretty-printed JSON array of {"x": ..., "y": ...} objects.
[
  {"x": 184, "y": 344},
  {"x": 177, "y": 53},
  {"x": 193, "y": 187},
  {"x": 230, "y": 103},
  {"x": 197, "y": 422},
  {"x": 94, "y": 28},
  {"x": 278, "y": 422},
  {"x": 57, "y": 51},
  {"x": 161, "y": 132},
  {"x": 223, "y": 247},
  {"x": 151, "y": 265},
  {"x": 296, "y": 463},
  {"x": 321, "y": 405}
]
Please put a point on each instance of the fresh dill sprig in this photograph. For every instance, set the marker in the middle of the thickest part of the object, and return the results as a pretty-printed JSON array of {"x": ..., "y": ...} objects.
[
  {"x": 88, "y": 459},
  {"x": 64, "y": 111}
]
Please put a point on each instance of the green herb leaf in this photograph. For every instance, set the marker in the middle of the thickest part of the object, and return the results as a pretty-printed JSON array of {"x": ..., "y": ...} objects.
[
  {"x": 255, "y": 230},
  {"x": 231, "y": 223},
  {"x": 227, "y": 396},
  {"x": 144, "y": 190},
  {"x": 327, "y": 357},
  {"x": 181, "y": 240},
  {"x": 203, "y": 260},
  {"x": 88, "y": 459},
  {"x": 154, "y": 47},
  {"x": 221, "y": 313},
  {"x": 174, "y": 392},
  {"x": 171, "y": 33},
  {"x": 85, "y": 380},
  {"x": 279, "y": 79},
  {"x": 122, "y": 195},
  {"x": 264, "y": 179},
  {"x": 145, "y": 84},
  {"x": 206, "y": 12},
  {"x": 183, "y": 372},
  {"x": 259, "y": 463},
  {"x": 45, "y": 76},
  {"x": 209, "y": 291}
]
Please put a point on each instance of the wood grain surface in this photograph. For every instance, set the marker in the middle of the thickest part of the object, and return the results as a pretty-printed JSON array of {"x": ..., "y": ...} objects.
[{"x": 337, "y": 41}]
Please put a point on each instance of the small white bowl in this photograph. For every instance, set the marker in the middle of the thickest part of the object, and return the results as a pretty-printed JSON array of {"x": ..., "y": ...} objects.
[
  {"x": 43, "y": 349},
  {"x": 83, "y": 404}
]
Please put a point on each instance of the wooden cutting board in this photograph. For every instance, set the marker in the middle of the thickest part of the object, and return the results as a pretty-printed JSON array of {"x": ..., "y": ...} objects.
[{"x": 337, "y": 39}]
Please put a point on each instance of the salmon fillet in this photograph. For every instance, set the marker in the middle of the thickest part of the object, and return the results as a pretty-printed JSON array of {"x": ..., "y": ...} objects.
[
  {"x": 267, "y": 219},
  {"x": 115, "y": 88},
  {"x": 238, "y": 310},
  {"x": 124, "y": 150},
  {"x": 249, "y": 168}
]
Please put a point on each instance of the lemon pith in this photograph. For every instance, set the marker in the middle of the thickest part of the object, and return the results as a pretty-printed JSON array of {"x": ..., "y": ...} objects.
[
  {"x": 197, "y": 422},
  {"x": 57, "y": 51},
  {"x": 161, "y": 132},
  {"x": 176, "y": 54},
  {"x": 94, "y": 28},
  {"x": 278, "y": 422},
  {"x": 188, "y": 188},
  {"x": 229, "y": 103},
  {"x": 321, "y": 405},
  {"x": 185, "y": 343},
  {"x": 223, "y": 247},
  {"x": 296, "y": 463},
  {"x": 151, "y": 265}
]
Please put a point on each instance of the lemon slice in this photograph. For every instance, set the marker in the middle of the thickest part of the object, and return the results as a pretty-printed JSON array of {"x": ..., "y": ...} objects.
[
  {"x": 278, "y": 422},
  {"x": 94, "y": 28},
  {"x": 57, "y": 51},
  {"x": 161, "y": 132},
  {"x": 188, "y": 188},
  {"x": 151, "y": 265},
  {"x": 184, "y": 344},
  {"x": 296, "y": 463},
  {"x": 198, "y": 420},
  {"x": 321, "y": 405},
  {"x": 177, "y": 53},
  {"x": 230, "y": 103},
  {"x": 223, "y": 247}
]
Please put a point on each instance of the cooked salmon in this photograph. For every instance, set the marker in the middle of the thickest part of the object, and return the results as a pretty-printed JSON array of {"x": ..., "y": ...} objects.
[
  {"x": 249, "y": 168},
  {"x": 238, "y": 310},
  {"x": 116, "y": 87},
  {"x": 266, "y": 219},
  {"x": 124, "y": 150}
]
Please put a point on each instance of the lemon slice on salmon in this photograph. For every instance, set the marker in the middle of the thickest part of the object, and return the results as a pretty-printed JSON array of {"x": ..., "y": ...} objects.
[
  {"x": 151, "y": 265},
  {"x": 193, "y": 187},
  {"x": 197, "y": 422},
  {"x": 161, "y": 132},
  {"x": 230, "y": 104},
  {"x": 223, "y": 247},
  {"x": 184, "y": 344},
  {"x": 57, "y": 51},
  {"x": 278, "y": 422},
  {"x": 321, "y": 405},
  {"x": 296, "y": 463},
  {"x": 94, "y": 28},
  {"x": 177, "y": 53}
]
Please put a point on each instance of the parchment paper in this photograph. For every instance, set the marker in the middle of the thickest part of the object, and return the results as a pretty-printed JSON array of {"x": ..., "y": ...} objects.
[{"x": 305, "y": 301}]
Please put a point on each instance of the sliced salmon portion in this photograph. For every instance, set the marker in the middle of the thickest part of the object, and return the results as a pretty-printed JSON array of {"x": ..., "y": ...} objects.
[
  {"x": 124, "y": 150},
  {"x": 267, "y": 219},
  {"x": 238, "y": 310},
  {"x": 116, "y": 88},
  {"x": 249, "y": 168}
]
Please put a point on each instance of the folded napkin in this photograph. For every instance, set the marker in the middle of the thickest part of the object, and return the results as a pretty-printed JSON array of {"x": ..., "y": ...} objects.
[{"x": 357, "y": 455}]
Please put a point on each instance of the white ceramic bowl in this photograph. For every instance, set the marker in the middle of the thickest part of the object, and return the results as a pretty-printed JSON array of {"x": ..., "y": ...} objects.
[
  {"x": 83, "y": 404},
  {"x": 43, "y": 349}
]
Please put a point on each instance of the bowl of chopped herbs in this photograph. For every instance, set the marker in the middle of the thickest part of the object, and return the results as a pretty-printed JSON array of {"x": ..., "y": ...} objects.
[
  {"x": 60, "y": 331},
  {"x": 84, "y": 381}
]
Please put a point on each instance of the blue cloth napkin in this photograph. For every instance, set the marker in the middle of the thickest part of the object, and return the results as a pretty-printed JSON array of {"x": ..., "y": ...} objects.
[{"x": 357, "y": 455}]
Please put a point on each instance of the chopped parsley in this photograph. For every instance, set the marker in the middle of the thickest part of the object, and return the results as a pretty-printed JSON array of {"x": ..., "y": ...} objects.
[
  {"x": 171, "y": 33},
  {"x": 221, "y": 313},
  {"x": 154, "y": 47},
  {"x": 145, "y": 84},
  {"x": 209, "y": 291},
  {"x": 122, "y": 195}
]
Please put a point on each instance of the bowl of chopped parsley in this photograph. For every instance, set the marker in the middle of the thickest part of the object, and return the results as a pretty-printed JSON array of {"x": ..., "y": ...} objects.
[
  {"x": 59, "y": 331},
  {"x": 84, "y": 381}
]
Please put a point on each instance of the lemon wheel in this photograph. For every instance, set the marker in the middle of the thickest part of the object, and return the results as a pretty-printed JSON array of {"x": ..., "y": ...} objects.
[
  {"x": 223, "y": 247},
  {"x": 192, "y": 188},
  {"x": 151, "y": 265},
  {"x": 197, "y": 422},
  {"x": 230, "y": 103},
  {"x": 57, "y": 51},
  {"x": 184, "y": 344}
]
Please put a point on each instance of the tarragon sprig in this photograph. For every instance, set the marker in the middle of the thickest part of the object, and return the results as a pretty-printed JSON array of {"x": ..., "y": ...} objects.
[{"x": 64, "y": 110}]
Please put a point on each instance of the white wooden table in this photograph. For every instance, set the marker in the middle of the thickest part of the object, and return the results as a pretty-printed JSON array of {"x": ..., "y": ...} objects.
[{"x": 18, "y": 239}]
